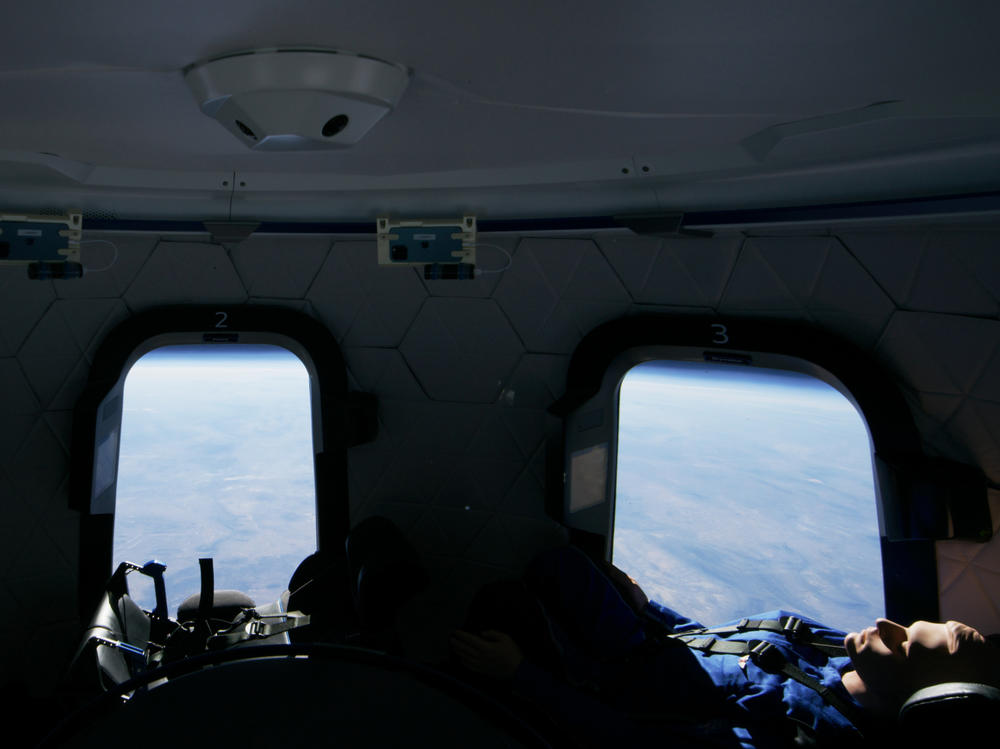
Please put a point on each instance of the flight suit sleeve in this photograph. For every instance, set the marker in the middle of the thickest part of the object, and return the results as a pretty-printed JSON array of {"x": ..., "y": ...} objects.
[{"x": 668, "y": 618}]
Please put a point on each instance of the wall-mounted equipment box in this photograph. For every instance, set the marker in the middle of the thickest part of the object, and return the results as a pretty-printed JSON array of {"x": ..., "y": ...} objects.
[
  {"x": 48, "y": 245},
  {"x": 427, "y": 241}
]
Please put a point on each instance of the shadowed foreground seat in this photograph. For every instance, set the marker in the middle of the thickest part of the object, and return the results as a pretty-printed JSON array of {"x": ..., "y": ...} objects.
[{"x": 320, "y": 695}]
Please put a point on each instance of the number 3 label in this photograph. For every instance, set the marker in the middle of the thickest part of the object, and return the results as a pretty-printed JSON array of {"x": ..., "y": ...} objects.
[{"x": 721, "y": 334}]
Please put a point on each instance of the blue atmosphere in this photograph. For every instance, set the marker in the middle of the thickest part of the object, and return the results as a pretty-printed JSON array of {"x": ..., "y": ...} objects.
[
  {"x": 742, "y": 490},
  {"x": 216, "y": 461},
  {"x": 739, "y": 490}
]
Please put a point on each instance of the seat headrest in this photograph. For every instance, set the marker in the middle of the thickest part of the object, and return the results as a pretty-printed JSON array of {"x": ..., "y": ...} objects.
[
  {"x": 950, "y": 709},
  {"x": 226, "y": 604},
  {"x": 385, "y": 569}
]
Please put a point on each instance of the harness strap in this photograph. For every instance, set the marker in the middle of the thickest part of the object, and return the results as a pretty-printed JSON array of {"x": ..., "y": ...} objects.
[
  {"x": 791, "y": 627},
  {"x": 207, "y": 597},
  {"x": 767, "y": 657},
  {"x": 251, "y": 626}
]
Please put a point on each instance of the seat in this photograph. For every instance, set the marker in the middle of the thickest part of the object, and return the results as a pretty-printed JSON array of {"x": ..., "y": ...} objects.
[{"x": 353, "y": 596}]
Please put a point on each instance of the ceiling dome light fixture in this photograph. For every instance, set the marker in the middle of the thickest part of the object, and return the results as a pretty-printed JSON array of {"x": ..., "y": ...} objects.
[{"x": 297, "y": 99}]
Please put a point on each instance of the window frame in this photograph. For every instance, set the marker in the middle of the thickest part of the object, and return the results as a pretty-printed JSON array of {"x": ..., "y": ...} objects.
[
  {"x": 340, "y": 419},
  {"x": 590, "y": 412}
]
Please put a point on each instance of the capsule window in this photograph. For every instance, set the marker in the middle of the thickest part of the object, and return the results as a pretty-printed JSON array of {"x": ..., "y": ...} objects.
[
  {"x": 216, "y": 460},
  {"x": 743, "y": 489}
]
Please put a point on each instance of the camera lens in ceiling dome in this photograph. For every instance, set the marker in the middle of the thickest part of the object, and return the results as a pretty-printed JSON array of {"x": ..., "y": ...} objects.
[{"x": 334, "y": 125}]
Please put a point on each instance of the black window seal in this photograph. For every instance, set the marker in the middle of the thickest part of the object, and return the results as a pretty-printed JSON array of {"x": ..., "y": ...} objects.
[
  {"x": 345, "y": 418},
  {"x": 909, "y": 563}
]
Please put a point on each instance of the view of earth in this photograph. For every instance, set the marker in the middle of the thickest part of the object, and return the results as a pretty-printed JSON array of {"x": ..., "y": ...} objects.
[
  {"x": 739, "y": 490},
  {"x": 216, "y": 461},
  {"x": 744, "y": 490}
]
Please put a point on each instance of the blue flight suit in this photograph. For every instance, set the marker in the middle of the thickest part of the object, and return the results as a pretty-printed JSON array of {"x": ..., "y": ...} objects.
[{"x": 621, "y": 687}]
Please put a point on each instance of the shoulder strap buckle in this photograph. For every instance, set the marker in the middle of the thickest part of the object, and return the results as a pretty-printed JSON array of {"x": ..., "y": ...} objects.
[
  {"x": 792, "y": 626},
  {"x": 255, "y": 628},
  {"x": 766, "y": 656}
]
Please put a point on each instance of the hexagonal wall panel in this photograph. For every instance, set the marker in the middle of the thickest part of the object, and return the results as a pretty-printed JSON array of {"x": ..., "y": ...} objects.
[
  {"x": 42, "y": 467},
  {"x": 939, "y": 353},
  {"x": 125, "y": 256},
  {"x": 976, "y": 424},
  {"x": 537, "y": 382},
  {"x": 383, "y": 371},
  {"x": 683, "y": 272},
  {"x": 812, "y": 279},
  {"x": 186, "y": 273},
  {"x": 49, "y": 355},
  {"x": 24, "y": 303},
  {"x": 19, "y": 414},
  {"x": 491, "y": 263},
  {"x": 934, "y": 270},
  {"x": 969, "y": 575},
  {"x": 363, "y": 303},
  {"x": 557, "y": 290},
  {"x": 56, "y": 355},
  {"x": 279, "y": 267},
  {"x": 90, "y": 320},
  {"x": 461, "y": 349}
]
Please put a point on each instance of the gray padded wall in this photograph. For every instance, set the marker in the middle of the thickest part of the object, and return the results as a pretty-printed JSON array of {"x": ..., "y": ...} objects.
[{"x": 464, "y": 372}]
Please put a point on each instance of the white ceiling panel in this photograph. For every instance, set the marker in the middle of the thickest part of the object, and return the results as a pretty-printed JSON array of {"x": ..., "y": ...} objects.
[{"x": 701, "y": 93}]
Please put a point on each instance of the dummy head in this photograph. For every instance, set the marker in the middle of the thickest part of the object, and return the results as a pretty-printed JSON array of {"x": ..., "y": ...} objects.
[{"x": 892, "y": 662}]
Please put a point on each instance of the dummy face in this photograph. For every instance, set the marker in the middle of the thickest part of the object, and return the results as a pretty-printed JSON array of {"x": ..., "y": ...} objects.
[{"x": 894, "y": 661}]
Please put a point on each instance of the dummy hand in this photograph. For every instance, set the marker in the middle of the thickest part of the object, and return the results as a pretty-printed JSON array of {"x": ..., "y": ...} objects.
[{"x": 491, "y": 654}]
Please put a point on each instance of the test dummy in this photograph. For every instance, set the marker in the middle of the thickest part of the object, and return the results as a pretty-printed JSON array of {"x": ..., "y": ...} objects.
[{"x": 585, "y": 646}]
